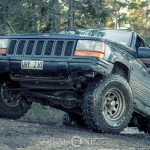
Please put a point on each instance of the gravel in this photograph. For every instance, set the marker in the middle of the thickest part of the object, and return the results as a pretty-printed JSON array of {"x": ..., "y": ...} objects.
[{"x": 19, "y": 135}]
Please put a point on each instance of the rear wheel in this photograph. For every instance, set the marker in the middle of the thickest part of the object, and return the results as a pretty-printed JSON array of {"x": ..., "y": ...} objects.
[
  {"x": 143, "y": 124},
  {"x": 108, "y": 105},
  {"x": 74, "y": 120},
  {"x": 13, "y": 104}
]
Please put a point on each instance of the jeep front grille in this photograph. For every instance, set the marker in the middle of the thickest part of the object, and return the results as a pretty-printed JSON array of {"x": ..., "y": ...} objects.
[
  {"x": 48, "y": 48},
  {"x": 59, "y": 47},
  {"x": 12, "y": 46},
  {"x": 41, "y": 47}
]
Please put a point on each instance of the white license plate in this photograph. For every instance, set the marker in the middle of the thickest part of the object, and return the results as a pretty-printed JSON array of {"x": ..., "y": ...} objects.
[{"x": 30, "y": 64}]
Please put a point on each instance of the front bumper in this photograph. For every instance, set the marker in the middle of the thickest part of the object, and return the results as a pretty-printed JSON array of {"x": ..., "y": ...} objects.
[{"x": 64, "y": 67}]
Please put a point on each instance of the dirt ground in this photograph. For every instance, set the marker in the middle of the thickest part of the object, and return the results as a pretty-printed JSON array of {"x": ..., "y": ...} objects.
[{"x": 19, "y": 135}]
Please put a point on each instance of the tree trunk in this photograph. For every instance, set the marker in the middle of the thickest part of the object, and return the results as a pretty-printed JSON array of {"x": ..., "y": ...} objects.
[
  {"x": 71, "y": 15},
  {"x": 6, "y": 16},
  {"x": 56, "y": 16}
]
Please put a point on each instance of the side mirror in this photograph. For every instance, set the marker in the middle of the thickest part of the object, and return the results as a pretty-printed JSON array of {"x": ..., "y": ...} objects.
[{"x": 143, "y": 52}]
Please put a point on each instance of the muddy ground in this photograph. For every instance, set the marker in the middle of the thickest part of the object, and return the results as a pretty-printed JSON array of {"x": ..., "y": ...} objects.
[{"x": 19, "y": 135}]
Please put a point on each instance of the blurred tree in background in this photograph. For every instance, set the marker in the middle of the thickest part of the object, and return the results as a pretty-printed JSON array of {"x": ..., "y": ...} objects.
[
  {"x": 117, "y": 13},
  {"x": 26, "y": 16},
  {"x": 139, "y": 17}
]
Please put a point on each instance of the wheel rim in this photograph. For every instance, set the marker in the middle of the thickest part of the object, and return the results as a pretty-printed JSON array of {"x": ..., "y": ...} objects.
[
  {"x": 114, "y": 105},
  {"x": 10, "y": 97}
]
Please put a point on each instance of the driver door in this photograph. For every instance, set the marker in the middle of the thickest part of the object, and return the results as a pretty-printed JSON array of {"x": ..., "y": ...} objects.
[{"x": 140, "y": 76}]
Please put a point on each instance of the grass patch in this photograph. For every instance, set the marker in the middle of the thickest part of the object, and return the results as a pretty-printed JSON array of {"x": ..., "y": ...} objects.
[{"x": 43, "y": 114}]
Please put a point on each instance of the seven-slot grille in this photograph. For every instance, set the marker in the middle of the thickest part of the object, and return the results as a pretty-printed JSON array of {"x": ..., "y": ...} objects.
[{"x": 40, "y": 47}]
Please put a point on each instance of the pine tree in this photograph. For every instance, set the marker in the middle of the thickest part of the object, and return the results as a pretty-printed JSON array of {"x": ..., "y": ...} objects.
[
  {"x": 139, "y": 17},
  {"x": 117, "y": 17}
]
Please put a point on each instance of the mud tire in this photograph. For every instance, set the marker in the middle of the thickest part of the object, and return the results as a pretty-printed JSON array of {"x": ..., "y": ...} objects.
[{"x": 94, "y": 105}]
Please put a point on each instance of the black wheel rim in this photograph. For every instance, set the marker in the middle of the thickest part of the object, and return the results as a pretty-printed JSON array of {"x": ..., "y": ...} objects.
[{"x": 10, "y": 97}]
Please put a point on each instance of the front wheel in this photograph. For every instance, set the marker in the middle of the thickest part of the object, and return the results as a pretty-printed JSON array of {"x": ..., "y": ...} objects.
[
  {"x": 108, "y": 105},
  {"x": 13, "y": 104}
]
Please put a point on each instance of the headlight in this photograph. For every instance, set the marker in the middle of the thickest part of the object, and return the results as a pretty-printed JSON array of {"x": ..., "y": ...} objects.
[
  {"x": 3, "y": 46},
  {"x": 3, "y": 43},
  {"x": 90, "y": 48}
]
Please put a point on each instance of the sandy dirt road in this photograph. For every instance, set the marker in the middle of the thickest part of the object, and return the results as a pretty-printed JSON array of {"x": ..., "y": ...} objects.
[{"x": 19, "y": 135}]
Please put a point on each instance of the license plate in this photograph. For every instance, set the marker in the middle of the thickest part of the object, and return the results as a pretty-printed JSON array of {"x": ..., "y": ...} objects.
[{"x": 29, "y": 64}]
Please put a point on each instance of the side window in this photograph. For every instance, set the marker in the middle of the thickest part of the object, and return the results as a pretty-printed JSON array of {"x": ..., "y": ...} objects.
[{"x": 139, "y": 43}]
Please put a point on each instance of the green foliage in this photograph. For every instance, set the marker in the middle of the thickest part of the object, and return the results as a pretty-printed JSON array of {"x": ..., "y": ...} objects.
[
  {"x": 26, "y": 16},
  {"x": 43, "y": 114},
  {"x": 91, "y": 14},
  {"x": 117, "y": 18},
  {"x": 139, "y": 17}
]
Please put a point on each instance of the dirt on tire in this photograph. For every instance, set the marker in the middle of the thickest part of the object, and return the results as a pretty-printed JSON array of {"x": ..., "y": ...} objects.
[{"x": 97, "y": 106}]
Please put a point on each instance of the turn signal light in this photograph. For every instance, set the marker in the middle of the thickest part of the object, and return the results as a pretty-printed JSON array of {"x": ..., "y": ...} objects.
[
  {"x": 2, "y": 51},
  {"x": 88, "y": 53}
]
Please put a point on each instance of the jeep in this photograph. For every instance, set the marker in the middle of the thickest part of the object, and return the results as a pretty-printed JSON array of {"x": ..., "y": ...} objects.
[{"x": 99, "y": 77}]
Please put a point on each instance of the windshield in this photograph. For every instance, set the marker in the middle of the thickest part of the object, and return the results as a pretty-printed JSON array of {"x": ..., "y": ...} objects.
[{"x": 119, "y": 36}]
